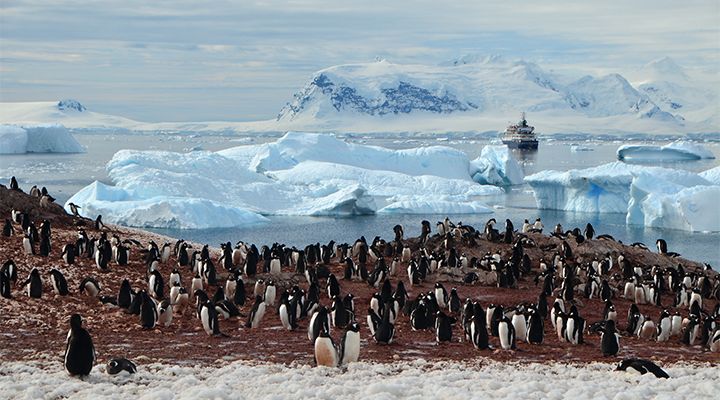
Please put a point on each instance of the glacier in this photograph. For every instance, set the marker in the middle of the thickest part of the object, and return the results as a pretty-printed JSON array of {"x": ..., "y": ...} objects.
[
  {"x": 649, "y": 196},
  {"x": 675, "y": 151},
  {"x": 44, "y": 138},
  {"x": 298, "y": 174}
]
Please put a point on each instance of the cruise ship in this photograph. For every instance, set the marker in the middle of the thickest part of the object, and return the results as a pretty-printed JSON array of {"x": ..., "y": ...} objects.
[{"x": 520, "y": 135}]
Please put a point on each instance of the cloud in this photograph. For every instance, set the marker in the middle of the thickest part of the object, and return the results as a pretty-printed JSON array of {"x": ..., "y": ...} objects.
[{"x": 265, "y": 50}]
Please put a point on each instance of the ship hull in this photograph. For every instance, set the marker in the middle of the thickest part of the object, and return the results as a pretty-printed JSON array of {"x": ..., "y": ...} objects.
[{"x": 521, "y": 144}]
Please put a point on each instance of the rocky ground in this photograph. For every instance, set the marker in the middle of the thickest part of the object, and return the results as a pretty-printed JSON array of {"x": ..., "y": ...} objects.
[{"x": 35, "y": 329}]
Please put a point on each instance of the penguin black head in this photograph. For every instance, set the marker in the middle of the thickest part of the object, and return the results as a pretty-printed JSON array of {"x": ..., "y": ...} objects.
[
  {"x": 354, "y": 327},
  {"x": 75, "y": 321}
]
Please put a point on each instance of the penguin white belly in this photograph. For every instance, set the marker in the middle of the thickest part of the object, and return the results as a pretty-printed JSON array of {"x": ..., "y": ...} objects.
[
  {"x": 275, "y": 267},
  {"x": 665, "y": 330},
  {"x": 696, "y": 298},
  {"x": 612, "y": 315},
  {"x": 520, "y": 326},
  {"x": 629, "y": 292},
  {"x": 270, "y": 296},
  {"x": 406, "y": 255},
  {"x": 196, "y": 285},
  {"x": 284, "y": 317},
  {"x": 166, "y": 316},
  {"x": 258, "y": 316},
  {"x": 715, "y": 342},
  {"x": 639, "y": 295},
  {"x": 675, "y": 325},
  {"x": 26, "y": 246},
  {"x": 570, "y": 331},
  {"x": 205, "y": 318},
  {"x": 352, "y": 347},
  {"x": 181, "y": 303},
  {"x": 648, "y": 330},
  {"x": 325, "y": 353},
  {"x": 230, "y": 287},
  {"x": 504, "y": 332}
]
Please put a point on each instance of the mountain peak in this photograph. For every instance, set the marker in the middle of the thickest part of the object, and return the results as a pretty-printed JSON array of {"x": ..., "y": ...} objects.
[
  {"x": 665, "y": 69},
  {"x": 70, "y": 104}
]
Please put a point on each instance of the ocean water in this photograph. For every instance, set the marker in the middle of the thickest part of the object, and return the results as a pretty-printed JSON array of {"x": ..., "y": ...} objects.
[{"x": 64, "y": 174}]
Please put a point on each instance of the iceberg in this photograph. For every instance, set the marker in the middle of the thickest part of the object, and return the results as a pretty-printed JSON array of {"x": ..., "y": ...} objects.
[
  {"x": 299, "y": 174},
  {"x": 496, "y": 166},
  {"x": 50, "y": 138},
  {"x": 712, "y": 175},
  {"x": 649, "y": 196},
  {"x": 676, "y": 151}
]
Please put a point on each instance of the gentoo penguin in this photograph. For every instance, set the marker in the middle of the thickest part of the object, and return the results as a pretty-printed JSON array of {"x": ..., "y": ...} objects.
[
  {"x": 441, "y": 295},
  {"x": 478, "y": 329},
  {"x": 506, "y": 332},
  {"x": 675, "y": 324},
  {"x": 209, "y": 318},
  {"x": 156, "y": 285},
  {"x": 609, "y": 339},
  {"x": 275, "y": 266},
  {"x": 318, "y": 322},
  {"x": 165, "y": 313},
  {"x": 117, "y": 365},
  {"x": 535, "y": 329},
  {"x": 68, "y": 254},
  {"x": 288, "y": 316},
  {"x": 339, "y": 315},
  {"x": 148, "y": 311},
  {"x": 443, "y": 327},
  {"x": 386, "y": 330},
  {"x": 454, "y": 303},
  {"x": 259, "y": 288},
  {"x": 59, "y": 283},
  {"x": 239, "y": 295},
  {"x": 647, "y": 330},
  {"x": 28, "y": 245},
  {"x": 715, "y": 341},
  {"x": 333, "y": 287},
  {"x": 74, "y": 209},
  {"x": 5, "y": 283},
  {"x": 519, "y": 323},
  {"x": 256, "y": 314},
  {"x": 661, "y": 246},
  {"x": 642, "y": 366},
  {"x": 181, "y": 300},
  {"x": 8, "y": 229},
  {"x": 230, "y": 286},
  {"x": 325, "y": 352},
  {"x": 589, "y": 231},
  {"x": 79, "y": 352},
  {"x": 350, "y": 344},
  {"x": 34, "y": 284},
  {"x": 14, "y": 184},
  {"x": 270, "y": 293},
  {"x": 125, "y": 295}
]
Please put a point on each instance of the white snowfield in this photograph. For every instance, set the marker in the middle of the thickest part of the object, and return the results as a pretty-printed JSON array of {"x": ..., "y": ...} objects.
[
  {"x": 299, "y": 174},
  {"x": 675, "y": 151},
  {"x": 407, "y": 380},
  {"x": 649, "y": 196},
  {"x": 46, "y": 138}
]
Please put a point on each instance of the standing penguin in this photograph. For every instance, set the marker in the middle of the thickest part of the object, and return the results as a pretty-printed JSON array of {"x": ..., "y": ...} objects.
[
  {"x": 256, "y": 314},
  {"x": 535, "y": 330},
  {"x": 209, "y": 318},
  {"x": 350, "y": 344},
  {"x": 148, "y": 311},
  {"x": 59, "y": 283},
  {"x": 386, "y": 330},
  {"x": 79, "y": 351},
  {"x": 325, "y": 352},
  {"x": 34, "y": 284},
  {"x": 69, "y": 253},
  {"x": 506, "y": 331},
  {"x": 589, "y": 231},
  {"x": 609, "y": 339},
  {"x": 443, "y": 327},
  {"x": 165, "y": 313},
  {"x": 478, "y": 329},
  {"x": 270, "y": 293}
]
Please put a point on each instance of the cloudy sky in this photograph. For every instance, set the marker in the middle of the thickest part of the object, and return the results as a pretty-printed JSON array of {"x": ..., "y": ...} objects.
[{"x": 181, "y": 60}]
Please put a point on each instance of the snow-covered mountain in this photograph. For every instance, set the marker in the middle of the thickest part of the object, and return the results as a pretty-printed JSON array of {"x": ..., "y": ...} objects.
[{"x": 471, "y": 93}]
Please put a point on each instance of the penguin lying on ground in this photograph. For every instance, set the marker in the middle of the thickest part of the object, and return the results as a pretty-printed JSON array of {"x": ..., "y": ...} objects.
[{"x": 642, "y": 366}]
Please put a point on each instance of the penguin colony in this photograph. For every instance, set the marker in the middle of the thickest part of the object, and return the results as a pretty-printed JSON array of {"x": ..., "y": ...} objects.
[{"x": 246, "y": 288}]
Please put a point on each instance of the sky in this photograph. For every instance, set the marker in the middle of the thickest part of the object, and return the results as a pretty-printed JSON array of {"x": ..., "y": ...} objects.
[{"x": 184, "y": 60}]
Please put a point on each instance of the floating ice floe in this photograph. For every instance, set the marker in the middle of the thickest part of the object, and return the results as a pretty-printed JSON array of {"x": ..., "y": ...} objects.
[
  {"x": 37, "y": 139},
  {"x": 496, "y": 166},
  {"x": 650, "y": 196},
  {"x": 299, "y": 174},
  {"x": 676, "y": 151},
  {"x": 712, "y": 175}
]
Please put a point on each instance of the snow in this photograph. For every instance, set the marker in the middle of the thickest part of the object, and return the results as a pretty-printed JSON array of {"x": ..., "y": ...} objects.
[
  {"x": 299, "y": 174},
  {"x": 496, "y": 166},
  {"x": 470, "y": 94},
  {"x": 675, "y": 151},
  {"x": 712, "y": 175},
  {"x": 412, "y": 380},
  {"x": 650, "y": 196},
  {"x": 48, "y": 138}
]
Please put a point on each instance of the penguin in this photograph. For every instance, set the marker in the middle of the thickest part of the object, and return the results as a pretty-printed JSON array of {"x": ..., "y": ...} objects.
[
  {"x": 339, "y": 315},
  {"x": 443, "y": 327},
  {"x": 478, "y": 329},
  {"x": 664, "y": 327},
  {"x": 79, "y": 351},
  {"x": 181, "y": 300},
  {"x": 14, "y": 184},
  {"x": 519, "y": 323},
  {"x": 535, "y": 331},
  {"x": 589, "y": 231},
  {"x": 256, "y": 314},
  {"x": 275, "y": 266},
  {"x": 318, "y": 322},
  {"x": 386, "y": 330},
  {"x": 506, "y": 332},
  {"x": 661, "y": 246},
  {"x": 675, "y": 325},
  {"x": 715, "y": 341},
  {"x": 68, "y": 254},
  {"x": 209, "y": 318},
  {"x": 609, "y": 339},
  {"x": 8, "y": 229},
  {"x": 609, "y": 311},
  {"x": 350, "y": 344},
  {"x": 288, "y": 316},
  {"x": 165, "y": 313},
  {"x": 239, "y": 295},
  {"x": 34, "y": 284},
  {"x": 642, "y": 366},
  {"x": 333, "y": 286},
  {"x": 441, "y": 295},
  {"x": 59, "y": 283},
  {"x": 373, "y": 321},
  {"x": 28, "y": 245},
  {"x": 124, "y": 298},
  {"x": 270, "y": 293},
  {"x": 148, "y": 311},
  {"x": 325, "y": 352},
  {"x": 259, "y": 288},
  {"x": 156, "y": 285},
  {"x": 5, "y": 283},
  {"x": 454, "y": 303},
  {"x": 117, "y": 365}
]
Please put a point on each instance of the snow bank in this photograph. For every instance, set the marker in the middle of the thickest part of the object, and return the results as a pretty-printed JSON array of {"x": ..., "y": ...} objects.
[
  {"x": 442, "y": 207},
  {"x": 650, "y": 196},
  {"x": 412, "y": 380},
  {"x": 37, "y": 139},
  {"x": 676, "y": 151},
  {"x": 299, "y": 174},
  {"x": 496, "y": 166}
]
